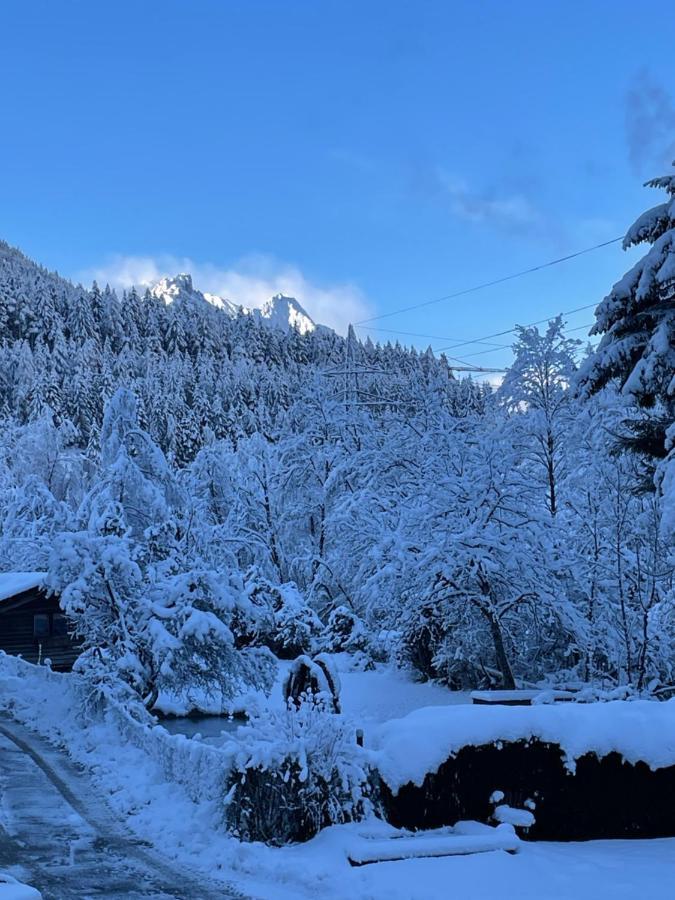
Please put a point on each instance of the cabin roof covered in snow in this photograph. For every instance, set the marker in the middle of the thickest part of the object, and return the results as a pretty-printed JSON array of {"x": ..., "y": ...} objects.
[{"x": 13, "y": 583}]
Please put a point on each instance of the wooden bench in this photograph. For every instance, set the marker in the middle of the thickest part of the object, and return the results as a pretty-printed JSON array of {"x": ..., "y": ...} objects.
[
  {"x": 440, "y": 843},
  {"x": 517, "y": 698}
]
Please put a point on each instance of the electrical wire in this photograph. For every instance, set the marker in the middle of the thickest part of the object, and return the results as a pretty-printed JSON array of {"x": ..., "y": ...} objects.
[{"x": 487, "y": 284}]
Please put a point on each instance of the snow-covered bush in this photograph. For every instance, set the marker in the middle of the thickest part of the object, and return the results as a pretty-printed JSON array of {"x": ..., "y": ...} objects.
[
  {"x": 344, "y": 632},
  {"x": 294, "y": 772},
  {"x": 296, "y": 625},
  {"x": 419, "y": 640},
  {"x": 283, "y": 621}
]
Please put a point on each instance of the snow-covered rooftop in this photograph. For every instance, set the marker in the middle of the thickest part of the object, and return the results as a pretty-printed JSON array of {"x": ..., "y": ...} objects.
[{"x": 13, "y": 583}]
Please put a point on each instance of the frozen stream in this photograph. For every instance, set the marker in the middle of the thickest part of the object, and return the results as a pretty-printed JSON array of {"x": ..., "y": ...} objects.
[
  {"x": 212, "y": 728},
  {"x": 367, "y": 697}
]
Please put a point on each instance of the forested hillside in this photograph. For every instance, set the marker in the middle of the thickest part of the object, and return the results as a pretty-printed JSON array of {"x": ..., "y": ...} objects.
[{"x": 198, "y": 371}]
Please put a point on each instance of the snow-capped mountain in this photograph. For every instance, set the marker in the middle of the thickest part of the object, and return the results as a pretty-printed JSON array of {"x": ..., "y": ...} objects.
[
  {"x": 180, "y": 287},
  {"x": 281, "y": 312},
  {"x": 284, "y": 313}
]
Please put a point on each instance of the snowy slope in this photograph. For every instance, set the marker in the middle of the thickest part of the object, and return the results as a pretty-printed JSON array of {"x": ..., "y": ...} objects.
[
  {"x": 279, "y": 312},
  {"x": 284, "y": 313}
]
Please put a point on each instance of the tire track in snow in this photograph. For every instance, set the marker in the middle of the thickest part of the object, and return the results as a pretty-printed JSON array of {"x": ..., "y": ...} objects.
[{"x": 61, "y": 836}]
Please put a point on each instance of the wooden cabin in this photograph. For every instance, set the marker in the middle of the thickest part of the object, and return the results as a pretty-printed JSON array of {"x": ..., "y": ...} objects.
[{"x": 32, "y": 623}]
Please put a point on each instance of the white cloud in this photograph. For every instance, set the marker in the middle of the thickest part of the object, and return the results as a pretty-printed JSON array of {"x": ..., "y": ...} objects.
[
  {"x": 512, "y": 211},
  {"x": 249, "y": 282},
  {"x": 650, "y": 124}
]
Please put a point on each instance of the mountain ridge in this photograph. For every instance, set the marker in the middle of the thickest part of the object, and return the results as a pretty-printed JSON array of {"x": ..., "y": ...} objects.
[{"x": 280, "y": 311}]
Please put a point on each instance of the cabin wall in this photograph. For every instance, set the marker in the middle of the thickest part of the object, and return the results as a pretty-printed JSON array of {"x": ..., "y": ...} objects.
[{"x": 17, "y": 632}]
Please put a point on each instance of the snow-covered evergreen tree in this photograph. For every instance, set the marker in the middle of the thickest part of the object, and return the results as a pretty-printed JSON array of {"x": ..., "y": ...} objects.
[{"x": 637, "y": 324}]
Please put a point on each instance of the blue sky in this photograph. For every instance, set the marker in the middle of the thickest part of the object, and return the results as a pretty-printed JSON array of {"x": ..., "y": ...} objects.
[{"x": 366, "y": 155}]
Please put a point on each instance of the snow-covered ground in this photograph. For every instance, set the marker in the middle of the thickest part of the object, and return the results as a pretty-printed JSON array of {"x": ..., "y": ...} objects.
[
  {"x": 389, "y": 693},
  {"x": 594, "y": 870},
  {"x": 191, "y": 833},
  {"x": 56, "y": 831},
  {"x": 12, "y": 889}
]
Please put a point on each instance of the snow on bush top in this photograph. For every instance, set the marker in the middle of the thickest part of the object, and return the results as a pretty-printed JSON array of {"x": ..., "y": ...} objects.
[{"x": 408, "y": 749}]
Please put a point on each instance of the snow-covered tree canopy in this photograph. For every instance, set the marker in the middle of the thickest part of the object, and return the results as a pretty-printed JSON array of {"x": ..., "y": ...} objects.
[
  {"x": 210, "y": 494},
  {"x": 637, "y": 318},
  {"x": 198, "y": 372}
]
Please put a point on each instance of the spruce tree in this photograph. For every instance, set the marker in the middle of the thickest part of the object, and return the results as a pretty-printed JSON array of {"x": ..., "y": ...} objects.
[{"x": 637, "y": 321}]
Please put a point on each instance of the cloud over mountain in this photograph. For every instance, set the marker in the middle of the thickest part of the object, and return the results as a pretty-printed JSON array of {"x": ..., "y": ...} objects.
[{"x": 250, "y": 282}]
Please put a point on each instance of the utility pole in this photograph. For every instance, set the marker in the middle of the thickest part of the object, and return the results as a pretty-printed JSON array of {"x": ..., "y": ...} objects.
[{"x": 352, "y": 393}]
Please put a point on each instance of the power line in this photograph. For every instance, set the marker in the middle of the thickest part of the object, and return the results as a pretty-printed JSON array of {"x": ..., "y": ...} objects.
[
  {"x": 487, "y": 284},
  {"x": 508, "y": 346},
  {"x": 486, "y": 337},
  {"x": 504, "y": 346},
  {"x": 460, "y": 343},
  {"x": 478, "y": 369},
  {"x": 493, "y": 348},
  {"x": 432, "y": 337}
]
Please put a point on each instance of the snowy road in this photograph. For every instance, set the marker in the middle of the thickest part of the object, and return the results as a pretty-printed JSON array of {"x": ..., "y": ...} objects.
[{"x": 58, "y": 835}]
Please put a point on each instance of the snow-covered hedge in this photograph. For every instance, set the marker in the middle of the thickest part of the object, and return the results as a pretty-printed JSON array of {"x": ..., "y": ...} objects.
[
  {"x": 201, "y": 769},
  {"x": 409, "y": 749}
]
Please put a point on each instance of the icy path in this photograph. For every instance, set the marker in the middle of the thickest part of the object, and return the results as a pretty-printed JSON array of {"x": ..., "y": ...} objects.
[{"x": 58, "y": 835}]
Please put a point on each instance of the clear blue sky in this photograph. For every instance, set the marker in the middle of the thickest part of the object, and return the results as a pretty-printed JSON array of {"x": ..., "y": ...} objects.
[{"x": 402, "y": 149}]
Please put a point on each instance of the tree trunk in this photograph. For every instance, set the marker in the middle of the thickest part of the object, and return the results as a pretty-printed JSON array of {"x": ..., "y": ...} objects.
[
  {"x": 550, "y": 468},
  {"x": 508, "y": 681},
  {"x": 151, "y": 697}
]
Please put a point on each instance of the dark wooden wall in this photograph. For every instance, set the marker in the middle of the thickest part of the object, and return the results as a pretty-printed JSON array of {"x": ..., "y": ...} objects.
[{"x": 16, "y": 630}]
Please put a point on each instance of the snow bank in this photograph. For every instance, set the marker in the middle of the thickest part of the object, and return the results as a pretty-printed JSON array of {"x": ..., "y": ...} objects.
[
  {"x": 11, "y": 889},
  {"x": 408, "y": 749},
  {"x": 13, "y": 583},
  {"x": 52, "y": 700}
]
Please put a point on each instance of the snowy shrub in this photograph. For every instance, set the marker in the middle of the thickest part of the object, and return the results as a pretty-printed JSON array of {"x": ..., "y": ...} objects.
[
  {"x": 419, "y": 641},
  {"x": 383, "y": 644},
  {"x": 194, "y": 610},
  {"x": 296, "y": 771},
  {"x": 283, "y": 620},
  {"x": 99, "y": 685},
  {"x": 296, "y": 626},
  {"x": 345, "y": 632}
]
